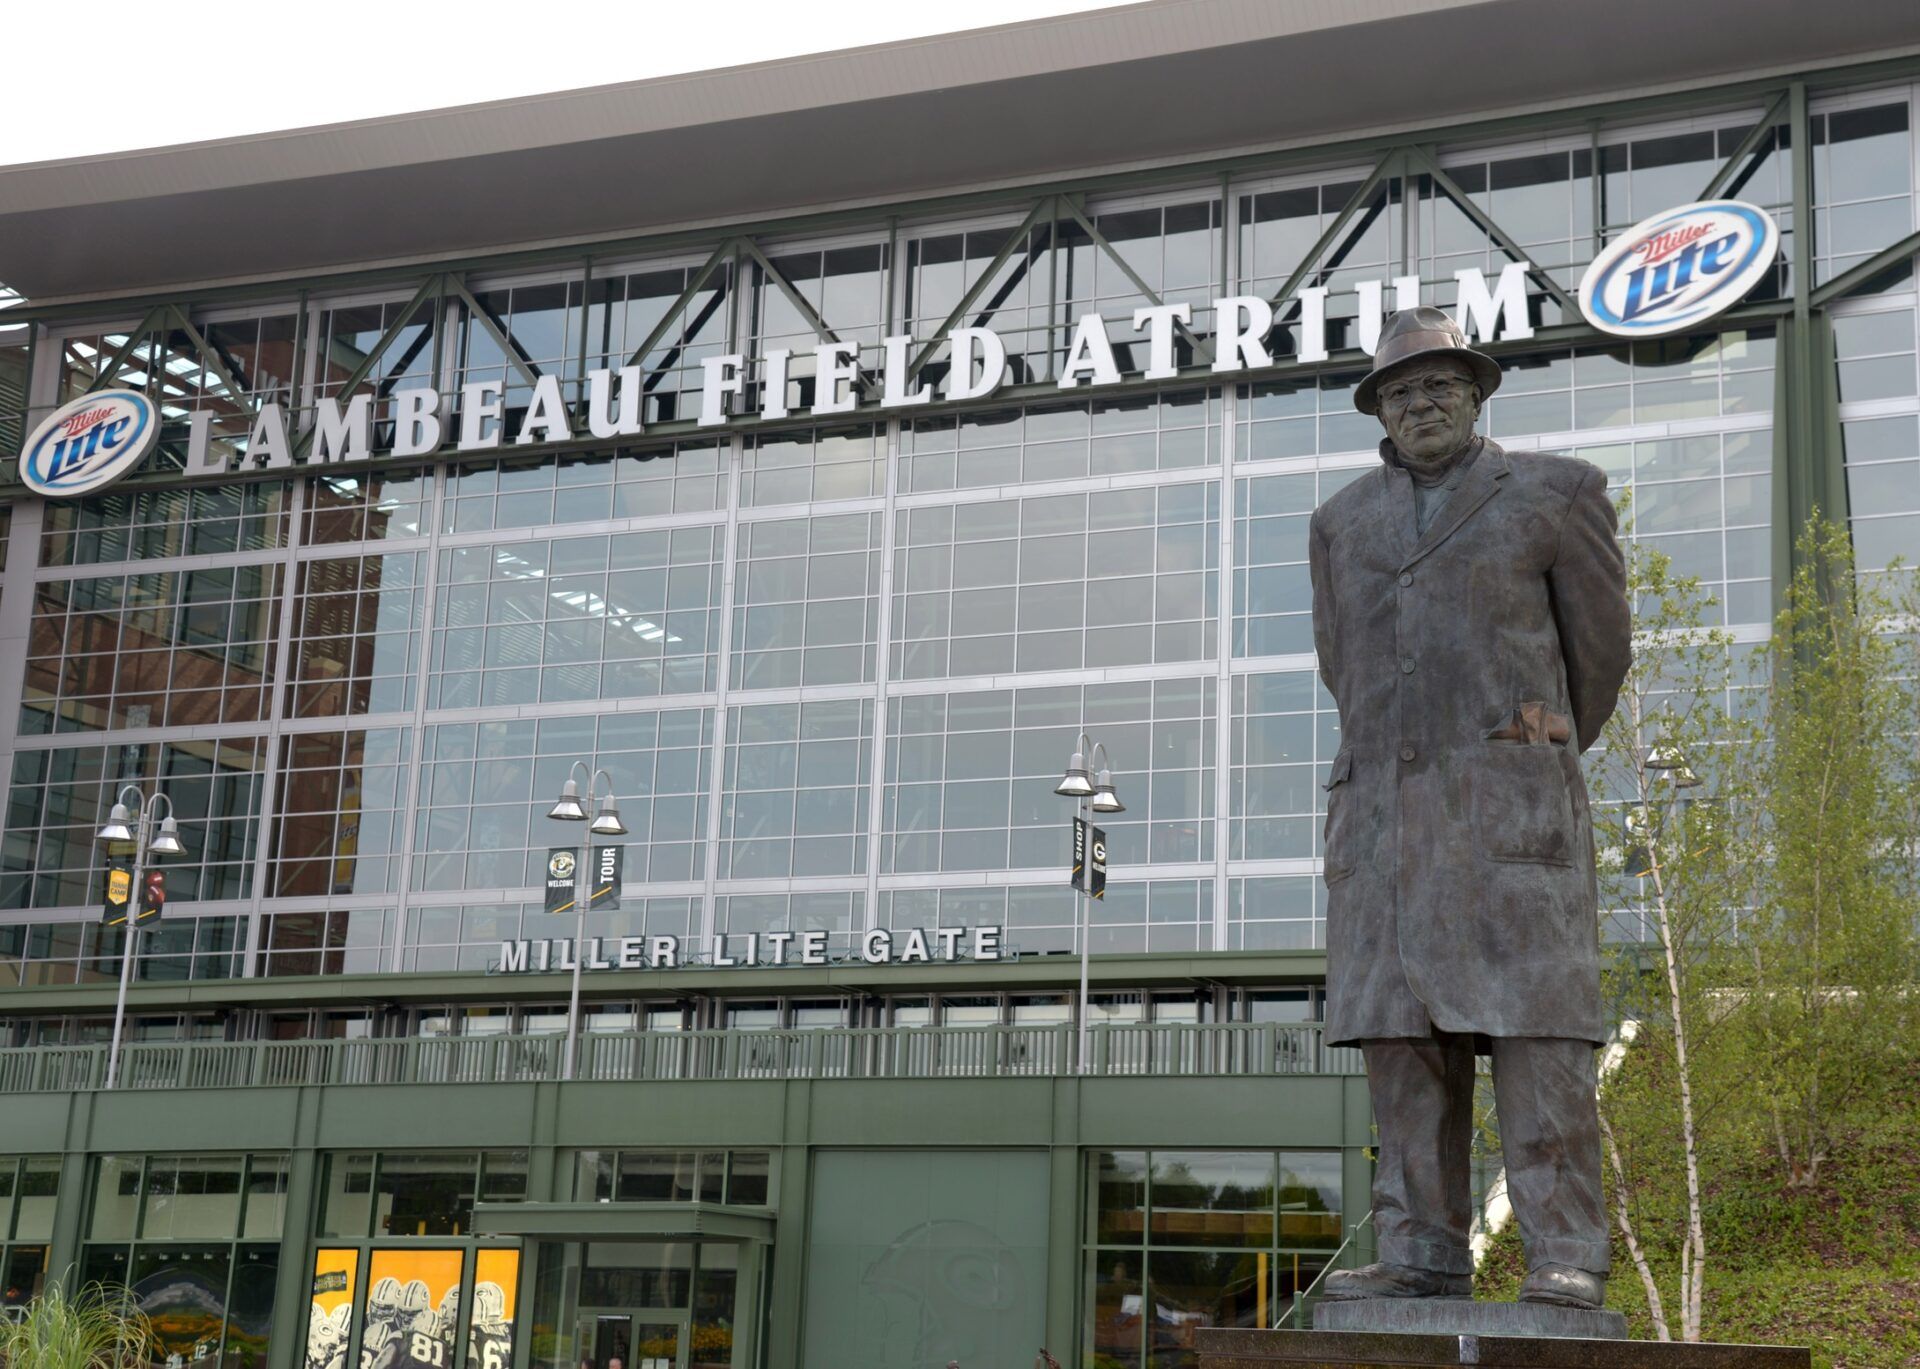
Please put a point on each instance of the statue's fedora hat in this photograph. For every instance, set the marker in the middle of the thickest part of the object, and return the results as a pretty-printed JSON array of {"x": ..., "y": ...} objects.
[{"x": 1422, "y": 332}]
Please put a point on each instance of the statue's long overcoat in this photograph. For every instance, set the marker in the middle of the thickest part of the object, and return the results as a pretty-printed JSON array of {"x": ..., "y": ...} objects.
[{"x": 1459, "y": 868}]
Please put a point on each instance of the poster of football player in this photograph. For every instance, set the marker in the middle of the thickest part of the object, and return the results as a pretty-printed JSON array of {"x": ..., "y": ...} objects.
[
  {"x": 496, "y": 1273},
  {"x": 407, "y": 1290},
  {"x": 330, "y": 1323}
]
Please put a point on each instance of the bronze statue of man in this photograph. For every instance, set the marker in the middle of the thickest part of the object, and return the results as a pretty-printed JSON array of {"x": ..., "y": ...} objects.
[{"x": 1471, "y": 621}]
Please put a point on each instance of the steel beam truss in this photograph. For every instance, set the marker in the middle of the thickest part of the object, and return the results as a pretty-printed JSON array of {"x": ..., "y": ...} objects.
[{"x": 1783, "y": 111}]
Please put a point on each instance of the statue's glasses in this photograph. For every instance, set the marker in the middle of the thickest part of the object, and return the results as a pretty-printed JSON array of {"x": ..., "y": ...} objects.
[{"x": 1438, "y": 388}]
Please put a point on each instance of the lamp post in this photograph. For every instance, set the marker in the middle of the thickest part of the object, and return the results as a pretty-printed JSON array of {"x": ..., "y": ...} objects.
[
  {"x": 606, "y": 823},
  {"x": 1642, "y": 824},
  {"x": 1089, "y": 783},
  {"x": 124, "y": 826}
]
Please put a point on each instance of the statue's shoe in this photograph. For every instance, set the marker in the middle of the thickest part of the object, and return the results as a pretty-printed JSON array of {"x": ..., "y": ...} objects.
[
  {"x": 1395, "y": 1281},
  {"x": 1562, "y": 1285}
]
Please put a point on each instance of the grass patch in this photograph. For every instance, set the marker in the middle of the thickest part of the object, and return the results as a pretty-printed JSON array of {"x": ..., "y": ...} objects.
[{"x": 1835, "y": 1267}]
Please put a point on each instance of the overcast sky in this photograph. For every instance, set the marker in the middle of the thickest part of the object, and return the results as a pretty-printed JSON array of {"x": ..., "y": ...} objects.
[{"x": 113, "y": 76}]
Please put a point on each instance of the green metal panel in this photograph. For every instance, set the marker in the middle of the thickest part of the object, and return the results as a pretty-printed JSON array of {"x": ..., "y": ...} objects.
[
  {"x": 359, "y": 990},
  {"x": 925, "y": 1257},
  {"x": 1146, "y": 1111}
]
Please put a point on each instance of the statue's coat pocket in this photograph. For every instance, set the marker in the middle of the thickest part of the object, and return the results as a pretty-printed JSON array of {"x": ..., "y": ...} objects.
[
  {"x": 1337, "y": 839},
  {"x": 1522, "y": 810}
]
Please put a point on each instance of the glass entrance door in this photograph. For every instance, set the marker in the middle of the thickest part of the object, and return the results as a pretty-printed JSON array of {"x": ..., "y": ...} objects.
[
  {"x": 650, "y": 1339},
  {"x": 659, "y": 1343}
]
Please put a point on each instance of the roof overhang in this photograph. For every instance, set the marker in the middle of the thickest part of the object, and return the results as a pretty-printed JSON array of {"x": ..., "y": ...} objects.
[
  {"x": 1139, "y": 85},
  {"x": 624, "y": 1221}
]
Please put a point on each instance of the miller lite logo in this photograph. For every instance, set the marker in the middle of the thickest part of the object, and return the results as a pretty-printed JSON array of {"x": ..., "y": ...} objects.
[
  {"x": 1678, "y": 269},
  {"x": 86, "y": 445}
]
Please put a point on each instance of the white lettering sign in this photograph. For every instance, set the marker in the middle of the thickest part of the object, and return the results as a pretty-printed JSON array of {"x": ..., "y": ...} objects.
[
  {"x": 879, "y": 946},
  {"x": 975, "y": 367}
]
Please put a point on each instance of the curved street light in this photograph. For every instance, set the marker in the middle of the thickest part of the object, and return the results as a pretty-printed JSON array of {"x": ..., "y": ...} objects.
[
  {"x": 130, "y": 825},
  {"x": 1089, "y": 782},
  {"x": 572, "y": 807}
]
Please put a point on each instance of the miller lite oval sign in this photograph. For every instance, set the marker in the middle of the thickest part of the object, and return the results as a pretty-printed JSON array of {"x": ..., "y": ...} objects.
[
  {"x": 86, "y": 445},
  {"x": 1679, "y": 269}
]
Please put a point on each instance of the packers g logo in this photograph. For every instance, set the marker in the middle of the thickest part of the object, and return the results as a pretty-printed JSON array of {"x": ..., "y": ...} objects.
[{"x": 560, "y": 865}]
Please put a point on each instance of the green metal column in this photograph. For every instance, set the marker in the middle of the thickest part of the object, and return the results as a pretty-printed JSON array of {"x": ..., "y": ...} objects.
[
  {"x": 72, "y": 1202},
  {"x": 1809, "y": 463},
  {"x": 794, "y": 1197},
  {"x": 1063, "y": 1320},
  {"x": 1356, "y": 1168},
  {"x": 293, "y": 1288}
]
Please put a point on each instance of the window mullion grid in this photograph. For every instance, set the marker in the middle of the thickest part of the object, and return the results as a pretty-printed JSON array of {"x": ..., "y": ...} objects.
[
  {"x": 882, "y": 650},
  {"x": 1223, "y": 634},
  {"x": 723, "y": 669},
  {"x": 417, "y": 744},
  {"x": 290, "y": 600}
]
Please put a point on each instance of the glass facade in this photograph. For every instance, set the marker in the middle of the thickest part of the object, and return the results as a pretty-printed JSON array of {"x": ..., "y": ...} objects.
[
  {"x": 1180, "y": 1240},
  {"x": 855, "y": 655},
  {"x": 197, "y": 1239},
  {"x": 29, "y": 1186}
]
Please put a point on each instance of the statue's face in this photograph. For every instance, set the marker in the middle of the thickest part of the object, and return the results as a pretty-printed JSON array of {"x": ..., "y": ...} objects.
[{"x": 1428, "y": 407}]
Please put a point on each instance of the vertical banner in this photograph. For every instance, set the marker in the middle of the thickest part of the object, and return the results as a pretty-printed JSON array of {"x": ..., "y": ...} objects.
[
  {"x": 413, "y": 1310},
  {"x": 604, "y": 892},
  {"x": 330, "y": 1323},
  {"x": 153, "y": 895},
  {"x": 561, "y": 863},
  {"x": 1089, "y": 859},
  {"x": 113, "y": 912},
  {"x": 496, "y": 1275}
]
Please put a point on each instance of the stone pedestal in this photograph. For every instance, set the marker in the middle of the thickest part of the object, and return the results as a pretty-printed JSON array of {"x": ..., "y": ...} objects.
[
  {"x": 1235, "y": 1349},
  {"x": 1465, "y": 1317}
]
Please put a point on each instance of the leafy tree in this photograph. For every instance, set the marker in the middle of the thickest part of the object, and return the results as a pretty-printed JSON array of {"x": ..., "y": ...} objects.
[
  {"x": 1832, "y": 1016},
  {"x": 1671, "y": 789}
]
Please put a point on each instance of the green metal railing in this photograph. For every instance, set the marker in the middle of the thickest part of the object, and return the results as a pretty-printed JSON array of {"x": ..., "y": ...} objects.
[
  {"x": 1305, "y": 1299},
  {"x": 1209, "y": 1050}
]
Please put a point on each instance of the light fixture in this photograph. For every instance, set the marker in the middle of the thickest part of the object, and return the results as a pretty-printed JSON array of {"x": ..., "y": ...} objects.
[
  {"x": 1105, "y": 800},
  {"x": 1077, "y": 783},
  {"x": 606, "y": 823},
  {"x": 1667, "y": 757},
  {"x": 168, "y": 842},
  {"x": 116, "y": 828},
  {"x": 568, "y": 809}
]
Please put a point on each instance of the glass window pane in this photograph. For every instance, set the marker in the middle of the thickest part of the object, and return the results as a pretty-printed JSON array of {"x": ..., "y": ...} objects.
[
  {"x": 425, "y": 1195},
  {"x": 39, "y": 1188},
  {"x": 1212, "y": 1198},
  {"x": 412, "y": 1315},
  {"x": 116, "y": 1196},
  {"x": 256, "y": 1269},
  {"x": 191, "y": 1196},
  {"x": 346, "y": 1204},
  {"x": 1120, "y": 1197},
  {"x": 330, "y": 1322},
  {"x": 24, "y": 1276},
  {"x": 266, "y": 1197},
  {"x": 496, "y": 1283},
  {"x": 183, "y": 1291},
  {"x": 1310, "y": 1199},
  {"x": 747, "y": 1178},
  {"x": 503, "y": 1176},
  {"x": 657, "y": 1176}
]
